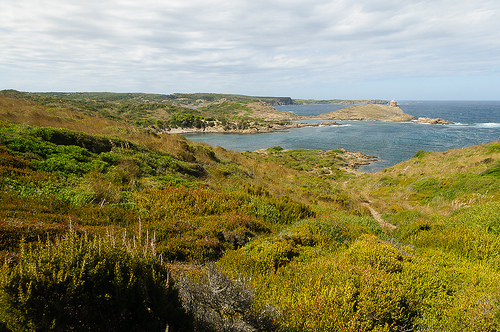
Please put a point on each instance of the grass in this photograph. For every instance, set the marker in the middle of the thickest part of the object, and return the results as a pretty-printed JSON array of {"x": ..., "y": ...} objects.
[{"x": 436, "y": 182}]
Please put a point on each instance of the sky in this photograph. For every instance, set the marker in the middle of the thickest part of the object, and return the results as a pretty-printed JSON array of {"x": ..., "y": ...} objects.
[{"x": 304, "y": 49}]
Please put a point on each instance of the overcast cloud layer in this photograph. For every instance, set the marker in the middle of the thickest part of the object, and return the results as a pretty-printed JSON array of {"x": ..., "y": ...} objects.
[{"x": 402, "y": 49}]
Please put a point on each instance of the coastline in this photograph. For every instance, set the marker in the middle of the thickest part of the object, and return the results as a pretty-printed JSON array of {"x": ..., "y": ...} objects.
[
  {"x": 271, "y": 120},
  {"x": 269, "y": 128}
]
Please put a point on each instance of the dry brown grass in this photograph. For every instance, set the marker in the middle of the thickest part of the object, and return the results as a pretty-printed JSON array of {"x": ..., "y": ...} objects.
[{"x": 34, "y": 114}]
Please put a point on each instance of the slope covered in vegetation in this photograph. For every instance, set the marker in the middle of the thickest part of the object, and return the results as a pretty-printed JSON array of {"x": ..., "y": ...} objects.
[
  {"x": 161, "y": 113},
  {"x": 98, "y": 215}
]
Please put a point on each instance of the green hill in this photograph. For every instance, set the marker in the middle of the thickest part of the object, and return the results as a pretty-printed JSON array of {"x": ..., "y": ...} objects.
[
  {"x": 107, "y": 224},
  {"x": 191, "y": 99}
]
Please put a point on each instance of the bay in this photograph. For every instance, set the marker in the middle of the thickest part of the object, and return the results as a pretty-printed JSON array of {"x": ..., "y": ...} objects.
[{"x": 476, "y": 122}]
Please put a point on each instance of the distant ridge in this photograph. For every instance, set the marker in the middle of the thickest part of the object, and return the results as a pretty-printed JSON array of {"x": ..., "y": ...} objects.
[
  {"x": 339, "y": 101},
  {"x": 195, "y": 99}
]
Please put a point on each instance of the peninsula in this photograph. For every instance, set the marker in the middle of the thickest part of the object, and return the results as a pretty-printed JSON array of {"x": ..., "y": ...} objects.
[{"x": 374, "y": 112}]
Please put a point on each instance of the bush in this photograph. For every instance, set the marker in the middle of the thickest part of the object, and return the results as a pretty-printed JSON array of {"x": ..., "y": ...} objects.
[
  {"x": 280, "y": 210},
  {"x": 275, "y": 149},
  {"x": 369, "y": 250},
  {"x": 219, "y": 303},
  {"x": 493, "y": 170},
  {"x": 88, "y": 285},
  {"x": 421, "y": 153},
  {"x": 58, "y": 136}
]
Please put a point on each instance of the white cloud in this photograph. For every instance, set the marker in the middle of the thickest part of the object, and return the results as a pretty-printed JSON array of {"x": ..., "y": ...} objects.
[{"x": 250, "y": 45}]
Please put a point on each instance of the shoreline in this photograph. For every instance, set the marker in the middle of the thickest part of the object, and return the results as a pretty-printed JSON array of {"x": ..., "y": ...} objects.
[
  {"x": 270, "y": 128},
  {"x": 272, "y": 120}
]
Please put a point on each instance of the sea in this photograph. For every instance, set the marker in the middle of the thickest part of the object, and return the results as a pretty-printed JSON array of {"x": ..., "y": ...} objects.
[{"x": 475, "y": 122}]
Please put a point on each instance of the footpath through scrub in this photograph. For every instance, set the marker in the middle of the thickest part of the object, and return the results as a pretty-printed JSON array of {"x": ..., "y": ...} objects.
[{"x": 384, "y": 224}]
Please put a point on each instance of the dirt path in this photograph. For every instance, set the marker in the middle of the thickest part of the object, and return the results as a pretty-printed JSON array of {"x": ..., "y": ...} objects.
[{"x": 384, "y": 224}]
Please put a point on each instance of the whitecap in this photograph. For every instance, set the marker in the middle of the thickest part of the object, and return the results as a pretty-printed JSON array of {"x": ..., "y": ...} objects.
[{"x": 488, "y": 125}]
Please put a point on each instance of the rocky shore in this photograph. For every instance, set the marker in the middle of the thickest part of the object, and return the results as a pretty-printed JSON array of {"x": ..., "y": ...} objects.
[
  {"x": 356, "y": 159},
  {"x": 269, "y": 128},
  {"x": 433, "y": 121}
]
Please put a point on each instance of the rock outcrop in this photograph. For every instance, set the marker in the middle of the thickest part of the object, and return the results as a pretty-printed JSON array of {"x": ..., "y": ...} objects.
[
  {"x": 433, "y": 121},
  {"x": 355, "y": 159}
]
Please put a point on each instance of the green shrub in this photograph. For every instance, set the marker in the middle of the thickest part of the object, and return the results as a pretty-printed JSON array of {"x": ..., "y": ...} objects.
[
  {"x": 493, "y": 148},
  {"x": 59, "y": 136},
  {"x": 421, "y": 153},
  {"x": 469, "y": 312},
  {"x": 493, "y": 170},
  {"x": 388, "y": 181},
  {"x": 486, "y": 217},
  {"x": 275, "y": 149},
  {"x": 404, "y": 217},
  {"x": 269, "y": 255},
  {"x": 369, "y": 250},
  {"x": 88, "y": 285},
  {"x": 472, "y": 183},
  {"x": 281, "y": 210}
]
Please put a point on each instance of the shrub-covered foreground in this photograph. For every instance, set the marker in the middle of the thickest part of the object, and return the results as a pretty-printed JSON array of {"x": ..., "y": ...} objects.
[
  {"x": 337, "y": 275},
  {"x": 110, "y": 284}
]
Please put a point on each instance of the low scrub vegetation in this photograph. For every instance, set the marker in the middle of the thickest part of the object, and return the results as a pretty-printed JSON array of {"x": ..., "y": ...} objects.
[
  {"x": 106, "y": 226},
  {"x": 323, "y": 164},
  {"x": 78, "y": 283}
]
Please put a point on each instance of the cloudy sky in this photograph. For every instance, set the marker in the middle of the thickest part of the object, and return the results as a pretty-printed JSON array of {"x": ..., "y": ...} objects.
[{"x": 322, "y": 49}]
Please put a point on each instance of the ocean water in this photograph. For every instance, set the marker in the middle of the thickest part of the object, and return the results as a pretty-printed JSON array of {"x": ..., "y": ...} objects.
[{"x": 476, "y": 122}]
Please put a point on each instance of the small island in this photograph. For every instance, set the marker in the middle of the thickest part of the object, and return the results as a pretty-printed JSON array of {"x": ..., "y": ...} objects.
[
  {"x": 376, "y": 112},
  {"x": 371, "y": 112}
]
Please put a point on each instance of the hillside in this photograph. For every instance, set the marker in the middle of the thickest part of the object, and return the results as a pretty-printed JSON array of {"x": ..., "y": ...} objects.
[
  {"x": 205, "y": 112},
  {"x": 108, "y": 224},
  {"x": 173, "y": 113}
]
